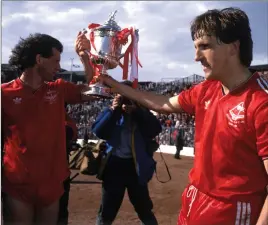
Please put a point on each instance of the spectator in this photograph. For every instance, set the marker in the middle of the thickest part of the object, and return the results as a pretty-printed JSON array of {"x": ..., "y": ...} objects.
[{"x": 139, "y": 125}]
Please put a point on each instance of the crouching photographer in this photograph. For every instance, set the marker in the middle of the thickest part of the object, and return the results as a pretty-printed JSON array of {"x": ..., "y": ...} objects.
[{"x": 128, "y": 130}]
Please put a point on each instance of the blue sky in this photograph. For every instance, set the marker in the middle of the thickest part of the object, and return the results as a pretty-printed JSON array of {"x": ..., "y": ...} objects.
[{"x": 165, "y": 46}]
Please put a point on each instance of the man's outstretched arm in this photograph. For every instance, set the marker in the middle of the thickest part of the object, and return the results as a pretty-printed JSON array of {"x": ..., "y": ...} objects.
[{"x": 158, "y": 103}]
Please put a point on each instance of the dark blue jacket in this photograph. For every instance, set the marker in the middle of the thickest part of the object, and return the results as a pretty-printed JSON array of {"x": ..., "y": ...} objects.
[{"x": 108, "y": 126}]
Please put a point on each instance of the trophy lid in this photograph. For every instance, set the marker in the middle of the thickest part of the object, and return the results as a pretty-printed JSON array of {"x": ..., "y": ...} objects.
[{"x": 110, "y": 24}]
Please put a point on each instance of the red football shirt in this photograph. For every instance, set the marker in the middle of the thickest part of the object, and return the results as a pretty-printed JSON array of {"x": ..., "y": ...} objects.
[
  {"x": 231, "y": 138},
  {"x": 34, "y": 129}
]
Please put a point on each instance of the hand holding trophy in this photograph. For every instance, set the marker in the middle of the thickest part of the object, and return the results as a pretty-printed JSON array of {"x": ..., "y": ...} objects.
[
  {"x": 82, "y": 45},
  {"x": 105, "y": 52}
]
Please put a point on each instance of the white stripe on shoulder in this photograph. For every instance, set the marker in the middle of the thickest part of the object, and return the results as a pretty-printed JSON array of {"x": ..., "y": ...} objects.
[
  {"x": 262, "y": 85},
  {"x": 264, "y": 81}
]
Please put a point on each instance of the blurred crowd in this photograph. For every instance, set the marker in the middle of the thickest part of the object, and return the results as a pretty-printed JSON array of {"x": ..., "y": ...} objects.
[{"x": 86, "y": 113}]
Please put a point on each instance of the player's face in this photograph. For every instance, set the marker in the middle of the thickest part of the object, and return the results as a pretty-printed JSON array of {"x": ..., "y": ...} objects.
[
  {"x": 50, "y": 66},
  {"x": 213, "y": 56}
]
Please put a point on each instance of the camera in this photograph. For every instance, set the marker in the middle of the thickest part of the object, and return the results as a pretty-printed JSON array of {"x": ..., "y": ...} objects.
[{"x": 125, "y": 101}]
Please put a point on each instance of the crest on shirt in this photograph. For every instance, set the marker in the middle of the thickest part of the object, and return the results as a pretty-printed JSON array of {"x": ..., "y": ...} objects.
[
  {"x": 207, "y": 104},
  {"x": 236, "y": 115},
  {"x": 17, "y": 100},
  {"x": 51, "y": 96}
]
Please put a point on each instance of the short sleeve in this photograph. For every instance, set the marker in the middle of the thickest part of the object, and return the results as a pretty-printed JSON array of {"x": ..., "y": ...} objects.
[
  {"x": 188, "y": 99},
  {"x": 71, "y": 91},
  {"x": 261, "y": 127}
]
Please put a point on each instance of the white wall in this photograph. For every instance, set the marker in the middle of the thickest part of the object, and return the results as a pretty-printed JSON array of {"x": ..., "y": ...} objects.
[{"x": 187, "y": 151}]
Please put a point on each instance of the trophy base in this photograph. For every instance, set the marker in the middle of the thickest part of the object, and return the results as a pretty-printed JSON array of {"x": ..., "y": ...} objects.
[{"x": 99, "y": 90}]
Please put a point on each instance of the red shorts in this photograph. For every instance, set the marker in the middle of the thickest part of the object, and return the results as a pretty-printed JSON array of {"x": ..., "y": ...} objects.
[
  {"x": 41, "y": 195},
  {"x": 200, "y": 209}
]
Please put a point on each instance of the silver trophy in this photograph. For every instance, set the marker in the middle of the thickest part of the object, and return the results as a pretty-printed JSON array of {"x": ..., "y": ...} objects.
[{"x": 105, "y": 52}]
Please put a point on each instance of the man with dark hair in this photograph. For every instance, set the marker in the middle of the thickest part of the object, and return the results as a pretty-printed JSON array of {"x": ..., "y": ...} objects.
[
  {"x": 127, "y": 128},
  {"x": 34, "y": 162},
  {"x": 229, "y": 180}
]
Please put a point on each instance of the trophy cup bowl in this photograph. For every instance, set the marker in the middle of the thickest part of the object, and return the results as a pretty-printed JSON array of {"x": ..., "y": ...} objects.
[{"x": 105, "y": 53}]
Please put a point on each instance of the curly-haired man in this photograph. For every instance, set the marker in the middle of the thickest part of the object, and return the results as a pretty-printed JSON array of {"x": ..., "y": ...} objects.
[{"x": 34, "y": 162}]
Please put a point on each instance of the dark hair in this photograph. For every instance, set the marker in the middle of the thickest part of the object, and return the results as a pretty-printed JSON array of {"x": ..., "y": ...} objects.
[
  {"x": 23, "y": 55},
  {"x": 227, "y": 25},
  {"x": 125, "y": 100}
]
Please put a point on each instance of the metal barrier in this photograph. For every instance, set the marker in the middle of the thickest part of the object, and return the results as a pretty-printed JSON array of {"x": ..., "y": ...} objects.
[{"x": 168, "y": 136}]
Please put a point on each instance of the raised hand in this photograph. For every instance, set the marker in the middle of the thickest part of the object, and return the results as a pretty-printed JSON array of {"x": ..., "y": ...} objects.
[
  {"x": 117, "y": 102},
  {"x": 82, "y": 44}
]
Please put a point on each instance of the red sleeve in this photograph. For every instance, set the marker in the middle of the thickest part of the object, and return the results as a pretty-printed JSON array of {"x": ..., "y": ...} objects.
[
  {"x": 188, "y": 99},
  {"x": 71, "y": 91},
  {"x": 261, "y": 127}
]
